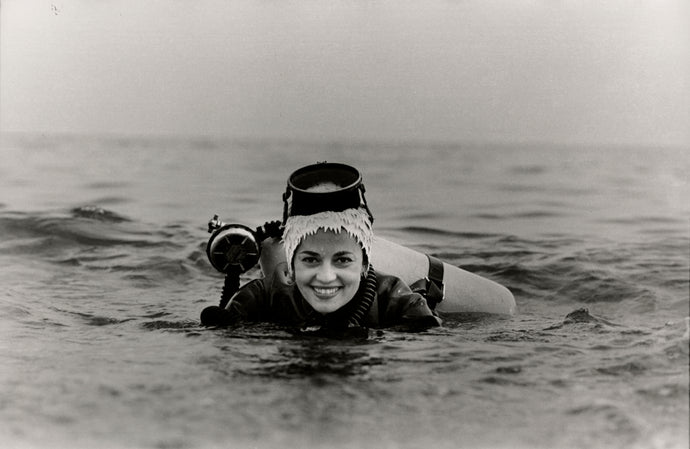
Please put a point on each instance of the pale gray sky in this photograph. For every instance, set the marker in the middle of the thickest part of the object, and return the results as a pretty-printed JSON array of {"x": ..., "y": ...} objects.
[{"x": 592, "y": 71}]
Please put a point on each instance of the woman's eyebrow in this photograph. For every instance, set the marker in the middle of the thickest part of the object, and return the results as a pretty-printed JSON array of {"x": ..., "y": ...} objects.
[
  {"x": 344, "y": 253},
  {"x": 308, "y": 252}
]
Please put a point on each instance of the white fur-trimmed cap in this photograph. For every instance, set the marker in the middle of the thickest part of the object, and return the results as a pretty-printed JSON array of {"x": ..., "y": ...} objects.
[{"x": 355, "y": 222}]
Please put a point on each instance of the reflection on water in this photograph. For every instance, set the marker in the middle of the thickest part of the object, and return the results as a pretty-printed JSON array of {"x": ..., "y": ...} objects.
[{"x": 315, "y": 359}]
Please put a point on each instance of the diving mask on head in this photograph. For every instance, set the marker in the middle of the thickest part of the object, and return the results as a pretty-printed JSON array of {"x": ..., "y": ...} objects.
[
  {"x": 324, "y": 187},
  {"x": 325, "y": 196}
]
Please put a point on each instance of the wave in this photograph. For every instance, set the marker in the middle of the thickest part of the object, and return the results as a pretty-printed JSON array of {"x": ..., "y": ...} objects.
[
  {"x": 82, "y": 226},
  {"x": 96, "y": 239},
  {"x": 431, "y": 231}
]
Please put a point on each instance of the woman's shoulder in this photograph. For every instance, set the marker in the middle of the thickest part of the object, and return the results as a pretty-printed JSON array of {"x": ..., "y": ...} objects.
[
  {"x": 388, "y": 283},
  {"x": 398, "y": 304}
]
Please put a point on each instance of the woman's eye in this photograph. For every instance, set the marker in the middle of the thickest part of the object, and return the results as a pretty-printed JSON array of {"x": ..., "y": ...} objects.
[
  {"x": 309, "y": 260},
  {"x": 344, "y": 260}
]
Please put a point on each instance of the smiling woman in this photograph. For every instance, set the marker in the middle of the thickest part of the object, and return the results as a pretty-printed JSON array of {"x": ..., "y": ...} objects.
[{"x": 326, "y": 281}]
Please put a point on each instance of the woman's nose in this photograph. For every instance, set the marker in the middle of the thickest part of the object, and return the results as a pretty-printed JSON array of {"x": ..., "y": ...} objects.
[{"x": 325, "y": 273}]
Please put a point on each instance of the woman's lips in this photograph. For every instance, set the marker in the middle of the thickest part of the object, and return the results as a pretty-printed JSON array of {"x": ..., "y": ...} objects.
[{"x": 325, "y": 292}]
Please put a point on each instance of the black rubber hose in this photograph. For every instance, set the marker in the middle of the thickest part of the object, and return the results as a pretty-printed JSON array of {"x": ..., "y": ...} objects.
[
  {"x": 218, "y": 315},
  {"x": 370, "y": 286},
  {"x": 230, "y": 287}
]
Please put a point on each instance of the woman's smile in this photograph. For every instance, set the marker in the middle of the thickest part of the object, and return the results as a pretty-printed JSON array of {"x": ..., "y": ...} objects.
[{"x": 325, "y": 292}]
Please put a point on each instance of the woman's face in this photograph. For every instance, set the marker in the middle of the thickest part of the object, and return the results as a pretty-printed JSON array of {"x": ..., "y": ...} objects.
[{"x": 328, "y": 267}]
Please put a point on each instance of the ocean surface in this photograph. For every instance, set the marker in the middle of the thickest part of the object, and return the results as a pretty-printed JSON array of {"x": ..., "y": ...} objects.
[{"x": 103, "y": 274}]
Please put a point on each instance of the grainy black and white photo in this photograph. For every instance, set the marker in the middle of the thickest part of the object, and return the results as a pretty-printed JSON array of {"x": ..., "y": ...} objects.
[{"x": 391, "y": 224}]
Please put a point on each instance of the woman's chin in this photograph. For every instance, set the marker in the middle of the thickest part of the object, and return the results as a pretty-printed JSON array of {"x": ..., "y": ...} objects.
[{"x": 325, "y": 306}]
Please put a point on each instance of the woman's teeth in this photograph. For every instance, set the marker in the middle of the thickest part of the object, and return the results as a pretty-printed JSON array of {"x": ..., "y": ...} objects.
[{"x": 325, "y": 291}]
